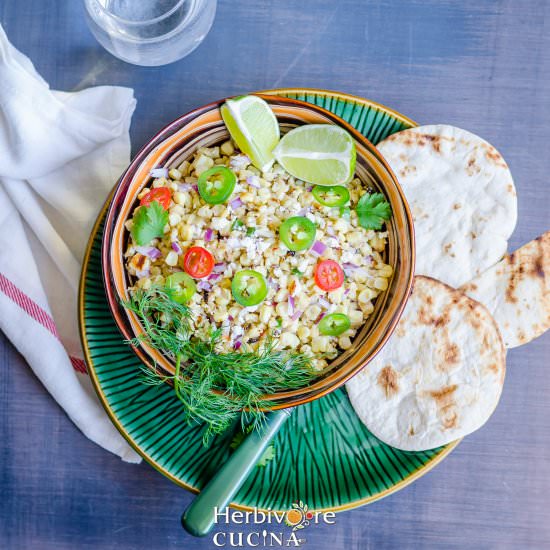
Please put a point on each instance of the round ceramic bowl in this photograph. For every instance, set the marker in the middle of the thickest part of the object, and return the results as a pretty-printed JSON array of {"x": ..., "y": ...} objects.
[{"x": 204, "y": 127}]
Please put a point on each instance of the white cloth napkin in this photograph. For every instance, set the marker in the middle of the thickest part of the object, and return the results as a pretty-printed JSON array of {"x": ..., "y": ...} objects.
[{"x": 60, "y": 154}]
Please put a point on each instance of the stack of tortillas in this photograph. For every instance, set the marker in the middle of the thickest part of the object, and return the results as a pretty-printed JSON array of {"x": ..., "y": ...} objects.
[{"x": 440, "y": 375}]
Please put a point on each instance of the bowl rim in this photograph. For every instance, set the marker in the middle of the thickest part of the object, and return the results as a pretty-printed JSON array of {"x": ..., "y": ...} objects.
[{"x": 338, "y": 376}]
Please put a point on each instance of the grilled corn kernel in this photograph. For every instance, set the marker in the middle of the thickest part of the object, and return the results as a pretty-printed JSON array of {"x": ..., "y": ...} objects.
[
  {"x": 171, "y": 259},
  {"x": 289, "y": 340},
  {"x": 344, "y": 342},
  {"x": 227, "y": 148},
  {"x": 366, "y": 295},
  {"x": 202, "y": 164},
  {"x": 381, "y": 283},
  {"x": 319, "y": 344}
]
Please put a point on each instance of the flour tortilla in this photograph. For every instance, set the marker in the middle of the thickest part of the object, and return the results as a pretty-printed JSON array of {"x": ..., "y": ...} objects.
[
  {"x": 517, "y": 292},
  {"x": 462, "y": 198},
  {"x": 440, "y": 375}
]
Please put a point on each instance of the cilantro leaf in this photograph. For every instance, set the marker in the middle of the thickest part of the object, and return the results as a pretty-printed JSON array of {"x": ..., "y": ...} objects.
[
  {"x": 268, "y": 454},
  {"x": 149, "y": 222},
  {"x": 373, "y": 210},
  {"x": 237, "y": 224},
  {"x": 345, "y": 212}
]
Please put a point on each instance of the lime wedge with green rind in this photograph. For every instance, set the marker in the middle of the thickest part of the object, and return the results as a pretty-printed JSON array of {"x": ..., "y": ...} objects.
[
  {"x": 253, "y": 127},
  {"x": 322, "y": 154}
]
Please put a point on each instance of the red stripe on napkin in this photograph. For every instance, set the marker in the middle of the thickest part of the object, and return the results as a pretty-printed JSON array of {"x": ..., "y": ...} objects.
[
  {"x": 40, "y": 315},
  {"x": 79, "y": 365}
]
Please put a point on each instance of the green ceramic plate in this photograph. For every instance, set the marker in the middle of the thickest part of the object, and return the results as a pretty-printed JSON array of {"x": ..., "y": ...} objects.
[{"x": 324, "y": 455}]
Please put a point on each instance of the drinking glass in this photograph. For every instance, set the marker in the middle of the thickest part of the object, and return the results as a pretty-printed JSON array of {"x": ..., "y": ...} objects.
[{"x": 150, "y": 32}]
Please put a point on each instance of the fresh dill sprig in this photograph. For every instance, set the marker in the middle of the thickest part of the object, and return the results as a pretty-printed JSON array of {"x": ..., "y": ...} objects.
[{"x": 215, "y": 387}]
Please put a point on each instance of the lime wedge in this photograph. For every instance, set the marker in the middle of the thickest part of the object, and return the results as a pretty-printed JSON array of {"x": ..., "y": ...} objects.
[
  {"x": 253, "y": 127},
  {"x": 318, "y": 153}
]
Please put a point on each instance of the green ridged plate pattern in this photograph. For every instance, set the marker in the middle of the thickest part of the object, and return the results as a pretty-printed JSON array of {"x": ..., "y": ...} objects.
[{"x": 324, "y": 455}]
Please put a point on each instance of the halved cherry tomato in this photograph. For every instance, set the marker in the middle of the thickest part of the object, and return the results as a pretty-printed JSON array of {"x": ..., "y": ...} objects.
[
  {"x": 198, "y": 262},
  {"x": 160, "y": 194},
  {"x": 329, "y": 275}
]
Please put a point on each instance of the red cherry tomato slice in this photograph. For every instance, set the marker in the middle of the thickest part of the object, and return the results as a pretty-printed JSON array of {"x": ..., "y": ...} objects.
[
  {"x": 198, "y": 262},
  {"x": 329, "y": 275},
  {"x": 160, "y": 194}
]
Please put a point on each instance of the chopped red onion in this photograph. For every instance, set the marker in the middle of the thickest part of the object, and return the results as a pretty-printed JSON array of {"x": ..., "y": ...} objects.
[
  {"x": 325, "y": 303},
  {"x": 349, "y": 268},
  {"x": 184, "y": 187},
  {"x": 318, "y": 320},
  {"x": 214, "y": 276},
  {"x": 238, "y": 330},
  {"x": 309, "y": 188},
  {"x": 151, "y": 251},
  {"x": 159, "y": 173},
  {"x": 318, "y": 248},
  {"x": 237, "y": 344},
  {"x": 204, "y": 285},
  {"x": 195, "y": 187},
  {"x": 347, "y": 291},
  {"x": 236, "y": 203},
  {"x": 253, "y": 181},
  {"x": 142, "y": 273},
  {"x": 230, "y": 317},
  {"x": 219, "y": 268},
  {"x": 297, "y": 315},
  {"x": 208, "y": 234},
  {"x": 176, "y": 247},
  {"x": 291, "y": 304}
]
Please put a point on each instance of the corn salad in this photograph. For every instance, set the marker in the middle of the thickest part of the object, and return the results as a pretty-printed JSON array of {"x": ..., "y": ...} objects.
[{"x": 243, "y": 233}]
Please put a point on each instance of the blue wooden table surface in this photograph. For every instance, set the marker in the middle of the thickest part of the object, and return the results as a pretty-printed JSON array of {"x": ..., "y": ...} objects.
[{"x": 483, "y": 65}]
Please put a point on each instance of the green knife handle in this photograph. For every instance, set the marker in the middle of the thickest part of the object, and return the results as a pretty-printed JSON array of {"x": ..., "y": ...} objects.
[{"x": 200, "y": 516}]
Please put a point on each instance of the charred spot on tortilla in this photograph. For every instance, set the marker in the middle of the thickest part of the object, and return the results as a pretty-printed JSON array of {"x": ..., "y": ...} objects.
[
  {"x": 443, "y": 395},
  {"x": 538, "y": 269},
  {"x": 511, "y": 289},
  {"x": 450, "y": 421},
  {"x": 492, "y": 154},
  {"x": 472, "y": 166},
  {"x": 452, "y": 353},
  {"x": 388, "y": 379}
]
